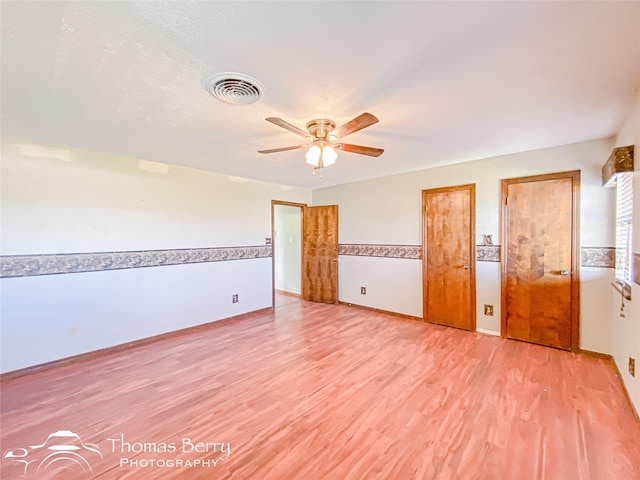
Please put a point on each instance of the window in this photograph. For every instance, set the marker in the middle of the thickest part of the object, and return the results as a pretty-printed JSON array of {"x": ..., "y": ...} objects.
[{"x": 624, "y": 226}]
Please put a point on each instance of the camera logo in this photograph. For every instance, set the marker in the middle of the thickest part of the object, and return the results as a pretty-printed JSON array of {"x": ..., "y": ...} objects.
[{"x": 62, "y": 453}]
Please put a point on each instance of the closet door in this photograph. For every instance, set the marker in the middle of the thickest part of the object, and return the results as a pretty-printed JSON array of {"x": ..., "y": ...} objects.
[
  {"x": 320, "y": 254},
  {"x": 449, "y": 256},
  {"x": 540, "y": 260}
]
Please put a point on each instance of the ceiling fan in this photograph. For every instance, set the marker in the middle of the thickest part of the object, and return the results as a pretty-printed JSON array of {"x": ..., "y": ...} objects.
[{"x": 323, "y": 139}]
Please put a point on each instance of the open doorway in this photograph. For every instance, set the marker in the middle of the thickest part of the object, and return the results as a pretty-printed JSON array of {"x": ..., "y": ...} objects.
[{"x": 286, "y": 231}]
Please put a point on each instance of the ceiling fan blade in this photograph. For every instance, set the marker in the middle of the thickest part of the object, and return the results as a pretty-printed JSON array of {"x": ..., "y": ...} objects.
[
  {"x": 284, "y": 124},
  {"x": 358, "y": 123},
  {"x": 282, "y": 149},
  {"x": 371, "y": 151}
]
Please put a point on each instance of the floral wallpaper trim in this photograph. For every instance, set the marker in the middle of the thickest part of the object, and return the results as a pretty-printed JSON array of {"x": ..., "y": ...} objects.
[
  {"x": 484, "y": 253},
  {"x": 590, "y": 256},
  {"x": 488, "y": 253},
  {"x": 51, "y": 264},
  {"x": 386, "y": 251},
  {"x": 604, "y": 257}
]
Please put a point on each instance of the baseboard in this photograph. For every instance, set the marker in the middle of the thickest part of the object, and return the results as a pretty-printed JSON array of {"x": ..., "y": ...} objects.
[
  {"x": 290, "y": 294},
  {"x": 610, "y": 359},
  {"x": 484, "y": 331},
  {"x": 626, "y": 392},
  {"x": 123, "y": 346},
  {"x": 589, "y": 353},
  {"x": 387, "y": 312}
]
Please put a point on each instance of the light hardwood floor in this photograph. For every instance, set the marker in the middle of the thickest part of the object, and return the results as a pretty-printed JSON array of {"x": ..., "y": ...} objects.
[{"x": 310, "y": 391}]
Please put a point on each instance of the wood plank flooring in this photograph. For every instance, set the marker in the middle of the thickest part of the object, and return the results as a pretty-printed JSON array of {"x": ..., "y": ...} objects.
[{"x": 312, "y": 391}]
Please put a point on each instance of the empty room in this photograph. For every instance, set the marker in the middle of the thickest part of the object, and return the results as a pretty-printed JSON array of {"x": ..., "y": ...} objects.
[{"x": 320, "y": 240}]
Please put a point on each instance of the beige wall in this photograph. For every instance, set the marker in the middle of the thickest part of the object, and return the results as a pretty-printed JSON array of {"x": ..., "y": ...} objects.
[
  {"x": 626, "y": 331},
  {"x": 64, "y": 200},
  {"x": 89, "y": 201},
  {"x": 387, "y": 211}
]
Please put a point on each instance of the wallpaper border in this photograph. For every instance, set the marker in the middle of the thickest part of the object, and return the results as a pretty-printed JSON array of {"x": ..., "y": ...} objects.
[
  {"x": 484, "y": 253},
  {"x": 600, "y": 257},
  {"x": 380, "y": 250},
  {"x": 488, "y": 253},
  {"x": 12, "y": 266}
]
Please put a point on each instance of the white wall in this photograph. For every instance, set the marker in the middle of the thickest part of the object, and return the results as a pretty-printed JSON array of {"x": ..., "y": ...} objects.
[
  {"x": 118, "y": 306},
  {"x": 376, "y": 274},
  {"x": 626, "y": 331},
  {"x": 387, "y": 211},
  {"x": 65, "y": 200},
  {"x": 288, "y": 248},
  {"x": 101, "y": 202}
]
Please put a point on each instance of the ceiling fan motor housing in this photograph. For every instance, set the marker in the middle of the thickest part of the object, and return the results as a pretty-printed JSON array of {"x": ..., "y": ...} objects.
[{"x": 321, "y": 127}]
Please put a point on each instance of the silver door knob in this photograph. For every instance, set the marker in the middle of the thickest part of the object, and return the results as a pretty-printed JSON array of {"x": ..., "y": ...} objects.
[
  {"x": 564, "y": 272},
  {"x": 465, "y": 266}
]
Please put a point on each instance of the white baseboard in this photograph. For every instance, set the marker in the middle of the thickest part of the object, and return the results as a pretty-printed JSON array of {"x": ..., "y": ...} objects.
[{"x": 487, "y": 332}]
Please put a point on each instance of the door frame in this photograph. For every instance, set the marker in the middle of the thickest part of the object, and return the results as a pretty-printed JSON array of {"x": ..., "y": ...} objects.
[
  {"x": 472, "y": 246},
  {"x": 301, "y": 206},
  {"x": 575, "y": 248}
]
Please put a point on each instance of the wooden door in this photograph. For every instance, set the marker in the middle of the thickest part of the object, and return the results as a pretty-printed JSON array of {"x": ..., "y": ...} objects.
[
  {"x": 449, "y": 256},
  {"x": 320, "y": 254},
  {"x": 540, "y": 274}
]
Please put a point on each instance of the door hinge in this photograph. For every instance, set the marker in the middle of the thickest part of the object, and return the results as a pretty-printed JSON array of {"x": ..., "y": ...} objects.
[{"x": 506, "y": 200}]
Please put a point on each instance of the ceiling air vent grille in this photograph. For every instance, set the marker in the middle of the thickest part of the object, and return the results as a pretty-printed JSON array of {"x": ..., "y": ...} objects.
[{"x": 234, "y": 88}]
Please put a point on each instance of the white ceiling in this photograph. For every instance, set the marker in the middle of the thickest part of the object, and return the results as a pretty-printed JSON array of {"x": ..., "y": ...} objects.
[{"x": 449, "y": 81}]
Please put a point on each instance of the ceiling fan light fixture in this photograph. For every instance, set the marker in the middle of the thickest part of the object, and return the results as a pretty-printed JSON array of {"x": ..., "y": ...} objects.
[
  {"x": 321, "y": 154},
  {"x": 329, "y": 155},
  {"x": 323, "y": 139},
  {"x": 313, "y": 155}
]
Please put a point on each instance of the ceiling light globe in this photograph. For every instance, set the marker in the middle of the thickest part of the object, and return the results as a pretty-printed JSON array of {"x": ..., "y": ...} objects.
[
  {"x": 329, "y": 156},
  {"x": 313, "y": 155}
]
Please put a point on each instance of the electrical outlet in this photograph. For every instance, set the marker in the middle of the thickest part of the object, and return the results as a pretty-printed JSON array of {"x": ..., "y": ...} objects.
[
  {"x": 488, "y": 310},
  {"x": 632, "y": 366},
  {"x": 234, "y": 298},
  {"x": 73, "y": 330},
  {"x": 363, "y": 290}
]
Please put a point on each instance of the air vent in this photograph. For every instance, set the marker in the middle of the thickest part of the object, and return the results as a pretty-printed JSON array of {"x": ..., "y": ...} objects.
[{"x": 234, "y": 88}]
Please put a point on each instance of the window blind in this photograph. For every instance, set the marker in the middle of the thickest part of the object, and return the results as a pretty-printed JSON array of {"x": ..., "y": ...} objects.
[{"x": 624, "y": 221}]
